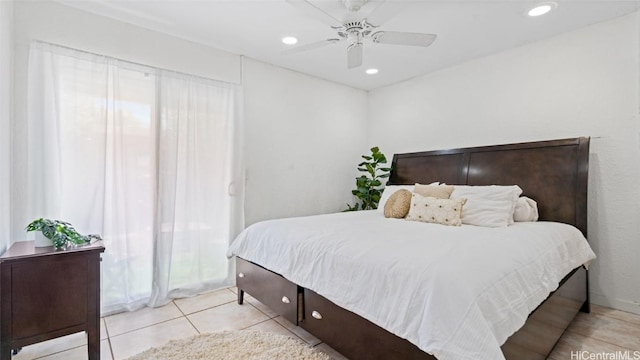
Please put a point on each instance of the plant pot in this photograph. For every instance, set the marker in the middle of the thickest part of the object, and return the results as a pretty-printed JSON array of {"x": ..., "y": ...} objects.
[{"x": 41, "y": 240}]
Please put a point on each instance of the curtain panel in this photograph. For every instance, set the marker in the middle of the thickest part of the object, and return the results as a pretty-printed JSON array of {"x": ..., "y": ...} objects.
[{"x": 148, "y": 158}]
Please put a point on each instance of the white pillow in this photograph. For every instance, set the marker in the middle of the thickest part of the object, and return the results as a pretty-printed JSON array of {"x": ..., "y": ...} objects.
[
  {"x": 526, "y": 210},
  {"x": 390, "y": 189},
  {"x": 490, "y": 206}
]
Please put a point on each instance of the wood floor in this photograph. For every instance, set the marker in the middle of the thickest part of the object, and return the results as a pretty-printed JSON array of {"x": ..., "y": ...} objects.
[{"x": 604, "y": 331}]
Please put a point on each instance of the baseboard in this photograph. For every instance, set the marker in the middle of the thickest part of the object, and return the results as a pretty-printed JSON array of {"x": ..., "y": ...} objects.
[{"x": 624, "y": 305}]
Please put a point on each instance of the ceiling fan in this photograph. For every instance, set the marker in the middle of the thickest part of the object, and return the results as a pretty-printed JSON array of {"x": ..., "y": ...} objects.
[{"x": 354, "y": 32}]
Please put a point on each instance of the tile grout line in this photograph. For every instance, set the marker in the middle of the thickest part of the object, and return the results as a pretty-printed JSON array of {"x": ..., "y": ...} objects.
[
  {"x": 167, "y": 320},
  {"x": 178, "y": 307},
  {"x": 209, "y": 308},
  {"x": 58, "y": 352},
  {"x": 113, "y": 357},
  {"x": 277, "y": 323},
  {"x": 263, "y": 312},
  {"x": 106, "y": 330},
  {"x": 146, "y": 326},
  {"x": 188, "y": 320}
]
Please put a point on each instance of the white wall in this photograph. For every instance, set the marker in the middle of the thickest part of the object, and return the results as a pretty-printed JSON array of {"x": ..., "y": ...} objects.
[
  {"x": 579, "y": 83},
  {"x": 53, "y": 22},
  {"x": 6, "y": 105},
  {"x": 304, "y": 138}
]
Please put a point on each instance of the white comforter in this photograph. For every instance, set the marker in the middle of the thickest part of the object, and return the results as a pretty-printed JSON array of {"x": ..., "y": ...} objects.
[{"x": 456, "y": 292}]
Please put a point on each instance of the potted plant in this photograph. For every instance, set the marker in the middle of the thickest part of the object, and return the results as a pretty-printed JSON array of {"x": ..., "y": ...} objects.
[
  {"x": 61, "y": 234},
  {"x": 368, "y": 188}
]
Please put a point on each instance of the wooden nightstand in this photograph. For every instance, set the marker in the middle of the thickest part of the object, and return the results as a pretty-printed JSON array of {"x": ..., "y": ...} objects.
[{"x": 46, "y": 294}]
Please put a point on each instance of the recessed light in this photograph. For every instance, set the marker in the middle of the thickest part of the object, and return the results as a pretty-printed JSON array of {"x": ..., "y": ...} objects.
[
  {"x": 371, "y": 71},
  {"x": 541, "y": 9},
  {"x": 289, "y": 40}
]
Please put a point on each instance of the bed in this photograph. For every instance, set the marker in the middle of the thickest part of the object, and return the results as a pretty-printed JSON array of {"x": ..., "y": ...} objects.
[{"x": 329, "y": 282}]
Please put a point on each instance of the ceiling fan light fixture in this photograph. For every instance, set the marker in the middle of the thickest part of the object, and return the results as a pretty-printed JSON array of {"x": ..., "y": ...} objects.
[
  {"x": 354, "y": 5},
  {"x": 541, "y": 9},
  {"x": 371, "y": 71},
  {"x": 289, "y": 40}
]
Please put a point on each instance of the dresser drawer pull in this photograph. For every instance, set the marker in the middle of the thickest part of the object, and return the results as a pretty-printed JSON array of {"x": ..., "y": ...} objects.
[
  {"x": 240, "y": 275},
  {"x": 316, "y": 315},
  {"x": 286, "y": 300}
]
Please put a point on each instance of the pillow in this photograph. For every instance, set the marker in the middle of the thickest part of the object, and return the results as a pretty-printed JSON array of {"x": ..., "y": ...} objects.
[
  {"x": 398, "y": 204},
  {"x": 490, "y": 206},
  {"x": 434, "y": 210},
  {"x": 437, "y": 191},
  {"x": 526, "y": 210},
  {"x": 388, "y": 191}
]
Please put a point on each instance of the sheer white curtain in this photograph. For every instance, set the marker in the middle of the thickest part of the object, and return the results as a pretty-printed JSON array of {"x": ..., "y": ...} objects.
[{"x": 147, "y": 158}]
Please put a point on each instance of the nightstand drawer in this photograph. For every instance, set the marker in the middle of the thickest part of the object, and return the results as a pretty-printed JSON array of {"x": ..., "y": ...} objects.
[
  {"x": 46, "y": 285},
  {"x": 273, "y": 290}
]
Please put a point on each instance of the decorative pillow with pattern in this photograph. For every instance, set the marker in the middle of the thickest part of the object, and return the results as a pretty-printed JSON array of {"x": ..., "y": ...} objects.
[
  {"x": 434, "y": 210},
  {"x": 397, "y": 206},
  {"x": 436, "y": 191}
]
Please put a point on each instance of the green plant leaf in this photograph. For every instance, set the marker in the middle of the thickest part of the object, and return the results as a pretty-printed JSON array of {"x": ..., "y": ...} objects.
[
  {"x": 61, "y": 233},
  {"x": 370, "y": 169},
  {"x": 367, "y": 185}
]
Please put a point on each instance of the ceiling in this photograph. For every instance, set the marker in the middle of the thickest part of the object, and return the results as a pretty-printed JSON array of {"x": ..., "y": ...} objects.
[{"x": 466, "y": 30}]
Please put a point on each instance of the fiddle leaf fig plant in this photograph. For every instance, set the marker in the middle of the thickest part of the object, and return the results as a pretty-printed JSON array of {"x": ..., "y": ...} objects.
[
  {"x": 61, "y": 233},
  {"x": 368, "y": 185}
]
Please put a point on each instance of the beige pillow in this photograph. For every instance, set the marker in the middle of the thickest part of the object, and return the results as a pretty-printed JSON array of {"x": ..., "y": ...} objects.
[
  {"x": 397, "y": 206},
  {"x": 434, "y": 210},
  {"x": 436, "y": 191}
]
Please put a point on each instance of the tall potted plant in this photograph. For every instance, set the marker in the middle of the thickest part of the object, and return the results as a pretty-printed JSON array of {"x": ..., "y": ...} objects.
[{"x": 368, "y": 186}]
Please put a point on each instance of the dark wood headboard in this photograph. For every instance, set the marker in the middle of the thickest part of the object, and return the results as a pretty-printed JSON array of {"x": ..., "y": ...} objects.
[{"x": 554, "y": 173}]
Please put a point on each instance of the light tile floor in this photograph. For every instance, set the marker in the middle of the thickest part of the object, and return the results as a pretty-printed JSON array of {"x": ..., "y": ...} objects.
[{"x": 122, "y": 335}]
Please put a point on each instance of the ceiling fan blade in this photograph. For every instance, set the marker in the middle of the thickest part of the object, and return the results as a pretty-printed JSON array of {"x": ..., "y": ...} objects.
[
  {"x": 310, "y": 46},
  {"x": 403, "y": 38},
  {"x": 315, "y": 12},
  {"x": 354, "y": 55}
]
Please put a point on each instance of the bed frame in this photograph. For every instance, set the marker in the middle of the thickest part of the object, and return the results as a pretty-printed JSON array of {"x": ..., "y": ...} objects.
[{"x": 554, "y": 173}]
